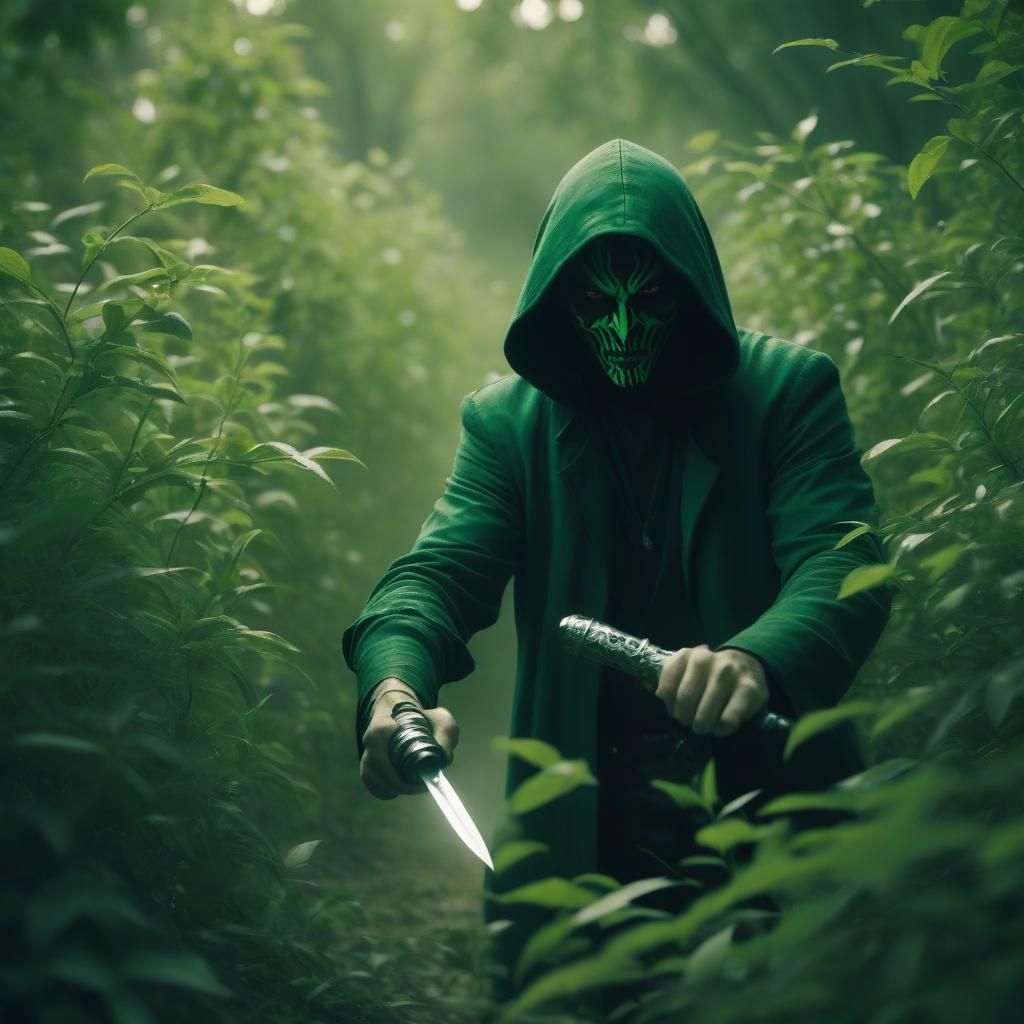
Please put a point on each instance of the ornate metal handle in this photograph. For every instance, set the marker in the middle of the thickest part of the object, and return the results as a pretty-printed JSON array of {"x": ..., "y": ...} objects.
[
  {"x": 412, "y": 748},
  {"x": 641, "y": 659}
]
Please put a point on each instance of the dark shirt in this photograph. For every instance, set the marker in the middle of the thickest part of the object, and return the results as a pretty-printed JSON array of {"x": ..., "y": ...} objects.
[
  {"x": 647, "y": 593},
  {"x": 641, "y": 831}
]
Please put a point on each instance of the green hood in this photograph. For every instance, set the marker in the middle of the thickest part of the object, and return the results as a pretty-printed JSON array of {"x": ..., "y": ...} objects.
[{"x": 623, "y": 188}]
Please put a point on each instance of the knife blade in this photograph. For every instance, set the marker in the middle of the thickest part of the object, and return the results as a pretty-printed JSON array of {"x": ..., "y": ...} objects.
[{"x": 418, "y": 757}]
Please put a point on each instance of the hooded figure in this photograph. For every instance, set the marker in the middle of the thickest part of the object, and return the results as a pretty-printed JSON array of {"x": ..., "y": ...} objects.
[{"x": 647, "y": 464}]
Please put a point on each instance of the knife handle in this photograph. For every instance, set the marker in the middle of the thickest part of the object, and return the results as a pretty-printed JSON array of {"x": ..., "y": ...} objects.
[
  {"x": 412, "y": 748},
  {"x": 597, "y": 641}
]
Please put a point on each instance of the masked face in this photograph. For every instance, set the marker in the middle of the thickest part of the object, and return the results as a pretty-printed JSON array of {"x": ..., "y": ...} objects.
[{"x": 622, "y": 303}]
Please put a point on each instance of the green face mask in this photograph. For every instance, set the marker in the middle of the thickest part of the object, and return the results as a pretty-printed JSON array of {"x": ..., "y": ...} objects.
[{"x": 622, "y": 303}]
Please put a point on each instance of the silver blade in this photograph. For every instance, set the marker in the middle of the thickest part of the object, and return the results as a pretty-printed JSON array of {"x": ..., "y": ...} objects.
[{"x": 441, "y": 790}]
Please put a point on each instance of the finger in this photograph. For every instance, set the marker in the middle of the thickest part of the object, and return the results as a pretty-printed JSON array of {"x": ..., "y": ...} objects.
[
  {"x": 719, "y": 688},
  {"x": 668, "y": 679},
  {"x": 746, "y": 701},
  {"x": 445, "y": 729},
  {"x": 384, "y": 779},
  {"x": 372, "y": 781},
  {"x": 380, "y": 768},
  {"x": 692, "y": 684}
]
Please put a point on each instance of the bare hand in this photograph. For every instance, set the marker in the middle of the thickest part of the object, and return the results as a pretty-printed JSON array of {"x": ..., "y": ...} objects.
[
  {"x": 712, "y": 691},
  {"x": 375, "y": 768}
]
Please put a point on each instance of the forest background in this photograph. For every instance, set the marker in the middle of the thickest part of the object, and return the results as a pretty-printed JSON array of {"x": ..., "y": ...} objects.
[{"x": 231, "y": 363}]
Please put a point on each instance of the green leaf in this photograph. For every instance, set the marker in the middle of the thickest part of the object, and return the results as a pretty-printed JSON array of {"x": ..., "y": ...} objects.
[
  {"x": 316, "y": 454},
  {"x": 542, "y": 943},
  {"x": 175, "y": 267},
  {"x": 555, "y": 893},
  {"x": 179, "y": 970},
  {"x": 939, "y": 36},
  {"x": 144, "y": 358},
  {"x": 900, "y": 710},
  {"x": 74, "y": 212},
  {"x": 706, "y": 960},
  {"x": 939, "y": 563},
  {"x": 57, "y": 741},
  {"x": 682, "y": 796},
  {"x": 709, "y": 785},
  {"x": 922, "y": 166},
  {"x": 93, "y": 242},
  {"x": 532, "y": 751},
  {"x": 877, "y": 775},
  {"x": 14, "y": 265},
  {"x": 300, "y": 855},
  {"x": 724, "y": 835},
  {"x": 818, "y": 721},
  {"x": 170, "y": 393},
  {"x": 114, "y": 319},
  {"x": 596, "y": 880},
  {"x": 120, "y": 281},
  {"x": 515, "y": 851},
  {"x": 791, "y": 803},
  {"x": 171, "y": 324},
  {"x": 871, "y": 60},
  {"x": 571, "y": 980},
  {"x": 620, "y": 898},
  {"x": 739, "y": 803},
  {"x": 703, "y": 141},
  {"x": 287, "y": 452},
  {"x": 240, "y": 543},
  {"x": 805, "y": 127},
  {"x": 108, "y": 576},
  {"x": 917, "y": 290},
  {"x": 866, "y": 577},
  {"x": 829, "y": 44},
  {"x": 549, "y": 784},
  {"x": 918, "y": 440},
  {"x": 198, "y": 193},
  {"x": 1013, "y": 407},
  {"x": 857, "y": 531},
  {"x": 117, "y": 170}
]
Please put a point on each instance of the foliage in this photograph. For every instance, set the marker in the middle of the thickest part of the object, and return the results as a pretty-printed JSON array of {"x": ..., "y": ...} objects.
[
  {"x": 177, "y": 367},
  {"x": 169, "y": 756},
  {"x": 139, "y": 767},
  {"x": 912, "y": 279}
]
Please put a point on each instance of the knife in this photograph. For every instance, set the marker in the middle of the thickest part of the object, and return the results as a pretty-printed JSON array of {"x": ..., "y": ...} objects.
[
  {"x": 418, "y": 757},
  {"x": 762, "y": 738},
  {"x": 597, "y": 641}
]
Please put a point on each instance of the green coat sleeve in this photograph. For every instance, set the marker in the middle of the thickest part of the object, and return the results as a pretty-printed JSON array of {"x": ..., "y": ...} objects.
[
  {"x": 813, "y": 643},
  {"x": 428, "y": 604}
]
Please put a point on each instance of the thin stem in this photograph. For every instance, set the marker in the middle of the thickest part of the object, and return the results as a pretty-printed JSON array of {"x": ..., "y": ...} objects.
[
  {"x": 55, "y": 310},
  {"x": 830, "y": 211},
  {"x": 116, "y": 491},
  {"x": 50, "y": 427},
  {"x": 1008, "y": 462},
  {"x": 989, "y": 156},
  {"x": 201, "y": 488},
  {"x": 99, "y": 252}
]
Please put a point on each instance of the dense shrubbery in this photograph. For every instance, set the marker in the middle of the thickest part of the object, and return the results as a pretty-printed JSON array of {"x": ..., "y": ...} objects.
[
  {"x": 169, "y": 536},
  {"x": 170, "y": 755},
  {"x": 912, "y": 280}
]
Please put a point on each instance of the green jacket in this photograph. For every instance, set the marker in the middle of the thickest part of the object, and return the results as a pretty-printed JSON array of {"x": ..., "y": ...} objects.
[{"x": 771, "y": 477}]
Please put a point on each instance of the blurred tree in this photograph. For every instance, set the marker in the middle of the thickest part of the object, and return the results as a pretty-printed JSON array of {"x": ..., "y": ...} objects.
[{"x": 495, "y": 100}]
